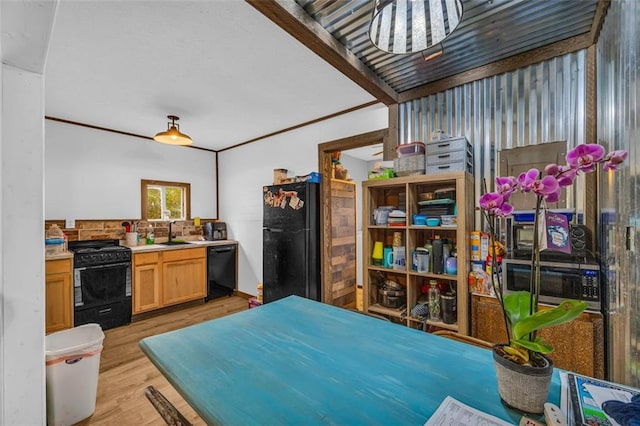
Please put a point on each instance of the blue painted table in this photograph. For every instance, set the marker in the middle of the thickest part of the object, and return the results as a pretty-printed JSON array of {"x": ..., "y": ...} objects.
[{"x": 296, "y": 361}]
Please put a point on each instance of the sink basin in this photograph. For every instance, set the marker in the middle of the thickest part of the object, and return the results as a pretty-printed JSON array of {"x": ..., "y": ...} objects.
[{"x": 174, "y": 243}]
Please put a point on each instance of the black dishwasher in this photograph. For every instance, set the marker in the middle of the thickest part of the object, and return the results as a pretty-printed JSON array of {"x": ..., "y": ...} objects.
[{"x": 221, "y": 271}]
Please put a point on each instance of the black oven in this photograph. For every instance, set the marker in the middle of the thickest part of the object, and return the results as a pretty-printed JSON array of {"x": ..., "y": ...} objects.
[
  {"x": 101, "y": 283},
  {"x": 558, "y": 281}
]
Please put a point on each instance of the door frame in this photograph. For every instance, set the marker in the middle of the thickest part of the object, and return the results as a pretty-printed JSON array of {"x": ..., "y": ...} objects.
[{"x": 325, "y": 150}]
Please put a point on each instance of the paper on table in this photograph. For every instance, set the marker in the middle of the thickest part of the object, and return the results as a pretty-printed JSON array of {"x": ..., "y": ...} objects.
[
  {"x": 453, "y": 412},
  {"x": 600, "y": 395}
]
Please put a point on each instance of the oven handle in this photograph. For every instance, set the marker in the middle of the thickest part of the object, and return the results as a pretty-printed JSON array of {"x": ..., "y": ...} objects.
[{"x": 109, "y": 265}]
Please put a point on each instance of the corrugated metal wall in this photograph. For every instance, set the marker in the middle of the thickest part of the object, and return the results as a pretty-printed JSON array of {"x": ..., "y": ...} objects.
[
  {"x": 618, "y": 64},
  {"x": 532, "y": 105}
]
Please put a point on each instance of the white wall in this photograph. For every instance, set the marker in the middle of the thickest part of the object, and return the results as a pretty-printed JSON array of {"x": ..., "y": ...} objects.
[
  {"x": 94, "y": 174},
  {"x": 246, "y": 169},
  {"x": 359, "y": 172},
  {"x": 22, "y": 250}
]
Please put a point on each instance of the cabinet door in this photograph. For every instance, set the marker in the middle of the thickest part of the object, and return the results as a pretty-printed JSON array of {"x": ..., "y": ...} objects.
[
  {"x": 183, "y": 281},
  {"x": 58, "y": 306},
  {"x": 146, "y": 288}
]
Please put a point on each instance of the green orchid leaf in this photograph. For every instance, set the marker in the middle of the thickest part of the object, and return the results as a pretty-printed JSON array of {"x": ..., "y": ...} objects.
[
  {"x": 566, "y": 311},
  {"x": 537, "y": 346},
  {"x": 516, "y": 305}
]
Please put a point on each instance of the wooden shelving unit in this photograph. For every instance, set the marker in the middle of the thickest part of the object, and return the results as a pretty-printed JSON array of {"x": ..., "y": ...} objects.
[{"x": 404, "y": 191}]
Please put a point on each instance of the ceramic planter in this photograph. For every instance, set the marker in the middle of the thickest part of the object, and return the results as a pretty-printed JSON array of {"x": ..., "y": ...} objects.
[{"x": 521, "y": 387}]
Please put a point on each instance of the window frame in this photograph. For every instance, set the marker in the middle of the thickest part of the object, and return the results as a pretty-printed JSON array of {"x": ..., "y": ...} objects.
[{"x": 145, "y": 183}]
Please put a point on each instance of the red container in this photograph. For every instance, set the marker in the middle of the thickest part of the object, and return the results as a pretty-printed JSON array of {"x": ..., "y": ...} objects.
[{"x": 253, "y": 303}]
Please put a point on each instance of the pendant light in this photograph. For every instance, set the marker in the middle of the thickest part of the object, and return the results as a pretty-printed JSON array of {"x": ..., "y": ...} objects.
[
  {"x": 173, "y": 136},
  {"x": 411, "y": 26}
]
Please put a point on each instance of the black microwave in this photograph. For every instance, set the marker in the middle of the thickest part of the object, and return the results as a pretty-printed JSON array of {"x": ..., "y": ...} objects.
[{"x": 558, "y": 281}]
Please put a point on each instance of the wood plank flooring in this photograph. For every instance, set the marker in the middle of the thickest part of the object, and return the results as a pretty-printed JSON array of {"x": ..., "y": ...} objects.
[{"x": 125, "y": 371}]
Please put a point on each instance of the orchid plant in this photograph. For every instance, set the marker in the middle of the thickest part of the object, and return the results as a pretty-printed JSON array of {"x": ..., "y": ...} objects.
[{"x": 521, "y": 316}]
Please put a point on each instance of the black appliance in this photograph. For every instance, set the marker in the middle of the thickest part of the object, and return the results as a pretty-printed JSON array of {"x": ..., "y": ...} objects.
[
  {"x": 101, "y": 283},
  {"x": 520, "y": 242},
  {"x": 291, "y": 241},
  {"x": 221, "y": 271},
  {"x": 219, "y": 231},
  {"x": 558, "y": 281}
]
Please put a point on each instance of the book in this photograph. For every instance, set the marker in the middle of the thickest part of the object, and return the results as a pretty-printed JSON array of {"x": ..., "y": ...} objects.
[{"x": 586, "y": 396}]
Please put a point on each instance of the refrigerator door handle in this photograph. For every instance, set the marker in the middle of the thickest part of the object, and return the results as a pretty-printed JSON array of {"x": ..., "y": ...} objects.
[{"x": 274, "y": 230}]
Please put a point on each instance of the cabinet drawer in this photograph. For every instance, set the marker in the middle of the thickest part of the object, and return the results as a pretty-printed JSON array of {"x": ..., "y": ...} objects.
[
  {"x": 61, "y": 266},
  {"x": 183, "y": 254},
  {"x": 145, "y": 258},
  {"x": 451, "y": 167},
  {"x": 448, "y": 145},
  {"x": 447, "y": 157}
]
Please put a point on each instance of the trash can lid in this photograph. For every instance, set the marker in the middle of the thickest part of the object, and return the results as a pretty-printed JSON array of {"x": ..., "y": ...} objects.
[{"x": 81, "y": 338}]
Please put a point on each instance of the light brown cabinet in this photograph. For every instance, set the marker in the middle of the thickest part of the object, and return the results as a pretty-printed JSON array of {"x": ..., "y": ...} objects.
[
  {"x": 165, "y": 278},
  {"x": 146, "y": 282},
  {"x": 578, "y": 345},
  {"x": 183, "y": 275},
  {"x": 58, "y": 295},
  {"x": 404, "y": 192}
]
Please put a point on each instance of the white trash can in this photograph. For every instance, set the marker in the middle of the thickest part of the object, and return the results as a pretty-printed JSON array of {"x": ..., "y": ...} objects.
[{"x": 72, "y": 364}]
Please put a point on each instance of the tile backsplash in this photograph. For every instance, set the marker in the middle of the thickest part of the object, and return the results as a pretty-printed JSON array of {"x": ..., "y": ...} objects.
[{"x": 101, "y": 229}]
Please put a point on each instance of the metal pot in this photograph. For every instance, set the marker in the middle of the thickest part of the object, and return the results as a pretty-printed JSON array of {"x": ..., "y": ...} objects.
[{"x": 392, "y": 298}]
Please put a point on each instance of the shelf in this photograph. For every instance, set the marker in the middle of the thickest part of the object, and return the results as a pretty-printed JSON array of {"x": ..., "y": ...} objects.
[
  {"x": 432, "y": 275},
  {"x": 435, "y": 228},
  {"x": 379, "y": 309},
  {"x": 439, "y": 324},
  {"x": 383, "y": 269},
  {"x": 404, "y": 192}
]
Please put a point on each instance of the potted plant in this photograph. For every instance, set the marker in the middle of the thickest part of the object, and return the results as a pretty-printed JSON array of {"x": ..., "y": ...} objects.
[{"x": 522, "y": 369}]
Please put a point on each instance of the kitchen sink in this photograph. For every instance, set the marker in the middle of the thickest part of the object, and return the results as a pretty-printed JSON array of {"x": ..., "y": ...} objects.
[{"x": 174, "y": 243}]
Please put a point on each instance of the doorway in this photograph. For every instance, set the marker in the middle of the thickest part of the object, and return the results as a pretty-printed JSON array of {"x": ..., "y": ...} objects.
[{"x": 333, "y": 290}]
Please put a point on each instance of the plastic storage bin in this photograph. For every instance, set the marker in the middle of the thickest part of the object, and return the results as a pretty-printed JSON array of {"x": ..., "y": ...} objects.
[
  {"x": 410, "y": 160},
  {"x": 72, "y": 367}
]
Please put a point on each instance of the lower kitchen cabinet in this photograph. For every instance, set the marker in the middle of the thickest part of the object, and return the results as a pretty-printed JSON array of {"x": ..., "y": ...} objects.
[
  {"x": 183, "y": 275},
  {"x": 147, "y": 286},
  {"x": 58, "y": 295},
  {"x": 578, "y": 345},
  {"x": 164, "y": 278}
]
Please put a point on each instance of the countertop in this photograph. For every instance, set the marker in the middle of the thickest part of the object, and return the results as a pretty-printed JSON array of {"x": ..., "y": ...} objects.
[
  {"x": 58, "y": 256},
  {"x": 191, "y": 244}
]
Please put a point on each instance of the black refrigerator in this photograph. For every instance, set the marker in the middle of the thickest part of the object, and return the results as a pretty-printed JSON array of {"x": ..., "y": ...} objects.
[{"x": 291, "y": 241}]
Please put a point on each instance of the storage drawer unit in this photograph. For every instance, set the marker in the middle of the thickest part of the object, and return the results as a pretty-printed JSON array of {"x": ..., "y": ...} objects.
[{"x": 449, "y": 155}]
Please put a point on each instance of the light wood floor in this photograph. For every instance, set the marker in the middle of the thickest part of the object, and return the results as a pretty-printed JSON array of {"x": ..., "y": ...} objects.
[{"x": 125, "y": 371}]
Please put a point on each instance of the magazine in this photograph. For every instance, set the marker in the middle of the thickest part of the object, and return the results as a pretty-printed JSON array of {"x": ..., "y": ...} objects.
[{"x": 587, "y": 396}]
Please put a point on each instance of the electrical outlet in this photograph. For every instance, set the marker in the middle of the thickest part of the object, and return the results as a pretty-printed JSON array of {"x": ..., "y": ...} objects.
[{"x": 69, "y": 223}]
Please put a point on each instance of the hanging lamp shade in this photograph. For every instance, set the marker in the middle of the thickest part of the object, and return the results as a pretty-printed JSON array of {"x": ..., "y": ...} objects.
[
  {"x": 410, "y": 26},
  {"x": 173, "y": 136}
]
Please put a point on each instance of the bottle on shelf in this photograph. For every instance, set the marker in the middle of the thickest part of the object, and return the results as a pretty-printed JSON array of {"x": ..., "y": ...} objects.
[
  {"x": 434, "y": 301},
  {"x": 429, "y": 248},
  {"x": 438, "y": 260}
]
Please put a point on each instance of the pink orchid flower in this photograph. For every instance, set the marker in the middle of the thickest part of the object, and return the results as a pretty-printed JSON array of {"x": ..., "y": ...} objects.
[
  {"x": 506, "y": 186},
  {"x": 584, "y": 157},
  {"x": 526, "y": 180},
  {"x": 494, "y": 203},
  {"x": 613, "y": 160}
]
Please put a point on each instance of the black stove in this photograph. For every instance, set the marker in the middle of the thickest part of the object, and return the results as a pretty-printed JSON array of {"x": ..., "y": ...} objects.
[
  {"x": 98, "y": 252},
  {"x": 101, "y": 282}
]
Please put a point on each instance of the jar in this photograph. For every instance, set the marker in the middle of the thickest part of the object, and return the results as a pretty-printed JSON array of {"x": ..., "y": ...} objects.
[{"x": 434, "y": 301}]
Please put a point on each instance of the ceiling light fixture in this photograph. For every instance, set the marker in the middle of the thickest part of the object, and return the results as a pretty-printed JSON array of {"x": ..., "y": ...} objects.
[
  {"x": 173, "y": 136},
  {"x": 410, "y": 26}
]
